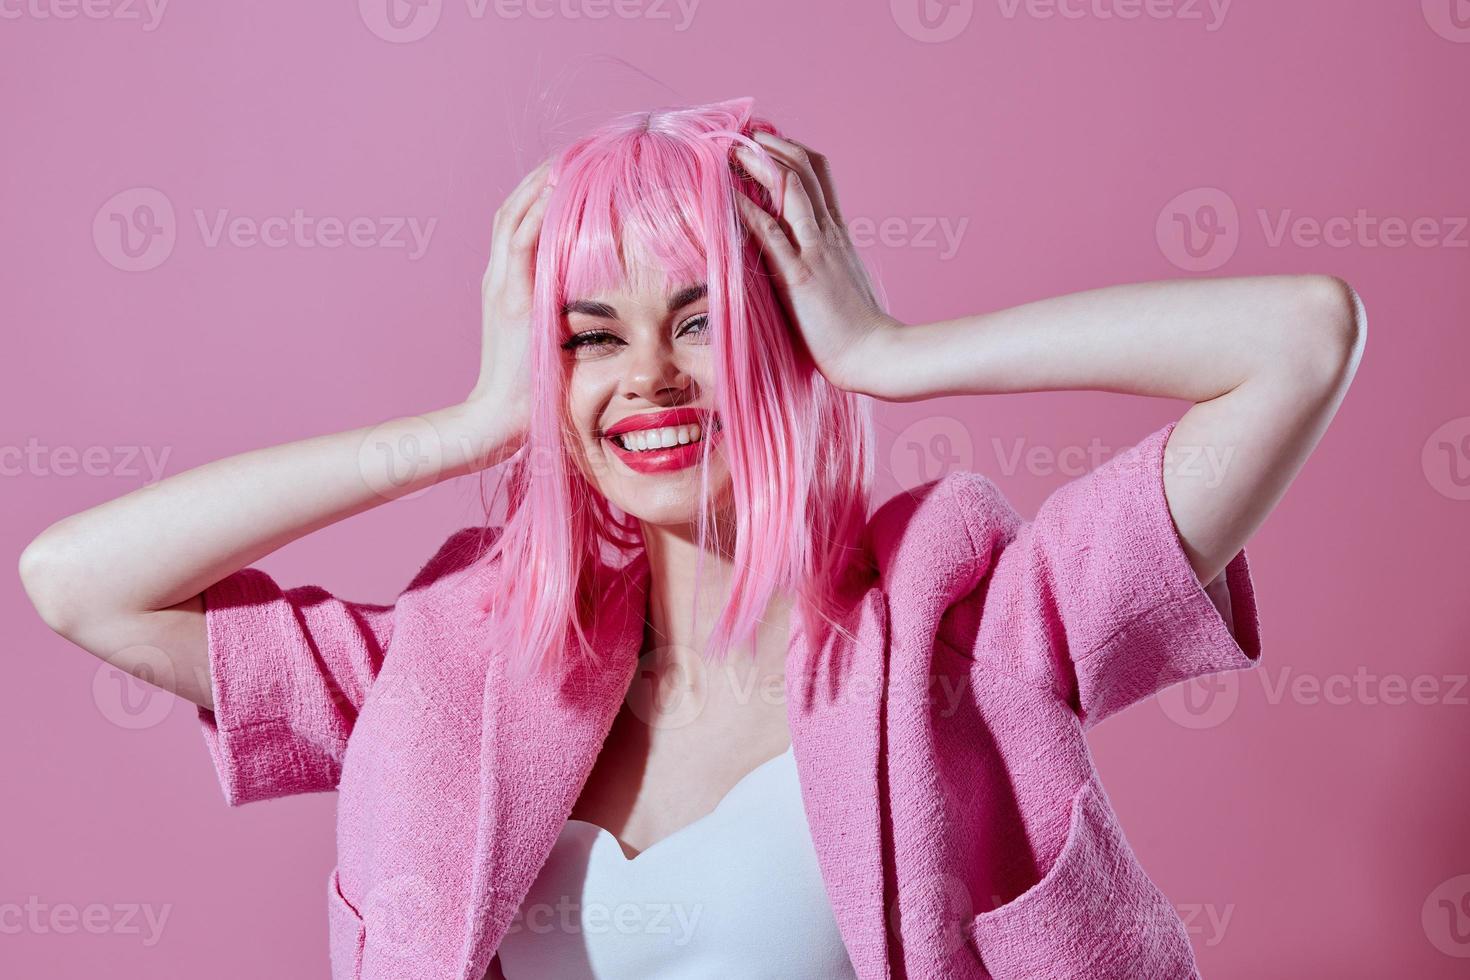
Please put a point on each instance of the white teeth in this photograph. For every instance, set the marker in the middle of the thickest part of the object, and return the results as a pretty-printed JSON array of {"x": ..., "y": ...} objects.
[{"x": 645, "y": 440}]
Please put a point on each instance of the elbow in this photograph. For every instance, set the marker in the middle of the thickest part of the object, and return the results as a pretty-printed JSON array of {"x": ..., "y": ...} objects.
[
  {"x": 1336, "y": 322},
  {"x": 43, "y": 579}
]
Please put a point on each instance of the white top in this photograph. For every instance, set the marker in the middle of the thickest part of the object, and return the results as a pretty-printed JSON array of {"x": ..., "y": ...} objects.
[{"x": 736, "y": 893}]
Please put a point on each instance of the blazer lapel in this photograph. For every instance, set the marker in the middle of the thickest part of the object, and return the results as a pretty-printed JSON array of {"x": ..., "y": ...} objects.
[
  {"x": 834, "y": 706},
  {"x": 537, "y": 749}
]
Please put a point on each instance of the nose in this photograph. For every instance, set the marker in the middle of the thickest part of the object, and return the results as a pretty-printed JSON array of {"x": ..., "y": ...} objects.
[{"x": 655, "y": 375}]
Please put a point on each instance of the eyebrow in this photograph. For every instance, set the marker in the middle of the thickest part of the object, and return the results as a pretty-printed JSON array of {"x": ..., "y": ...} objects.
[{"x": 678, "y": 301}]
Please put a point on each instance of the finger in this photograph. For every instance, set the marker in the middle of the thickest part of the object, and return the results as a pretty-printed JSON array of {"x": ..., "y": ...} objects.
[
  {"x": 790, "y": 196},
  {"x": 823, "y": 169},
  {"x": 519, "y": 198},
  {"x": 509, "y": 215},
  {"x": 522, "y": 254},
  {"x": 803, "y": 161},
  {"x": 772, "y": 237}
]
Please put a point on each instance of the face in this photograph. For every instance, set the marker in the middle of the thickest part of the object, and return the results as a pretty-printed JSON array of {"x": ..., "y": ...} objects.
[{"x": 641, "y": 399}]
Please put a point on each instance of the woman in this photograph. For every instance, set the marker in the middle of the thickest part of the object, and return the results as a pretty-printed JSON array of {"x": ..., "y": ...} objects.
[{"x": 875, "y": 765}]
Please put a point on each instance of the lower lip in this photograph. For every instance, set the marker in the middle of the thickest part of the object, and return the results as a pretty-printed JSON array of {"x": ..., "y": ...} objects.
[{"x": 663, "y": 460}]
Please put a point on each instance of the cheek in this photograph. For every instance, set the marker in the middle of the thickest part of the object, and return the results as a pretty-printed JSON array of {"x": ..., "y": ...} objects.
[{"x": 583, "y": 403}]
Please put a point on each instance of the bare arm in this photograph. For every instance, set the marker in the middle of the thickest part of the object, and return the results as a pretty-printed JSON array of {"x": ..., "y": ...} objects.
[
  {"x": 124, "y": 579},
  {"x": 1267, "y": 360}
]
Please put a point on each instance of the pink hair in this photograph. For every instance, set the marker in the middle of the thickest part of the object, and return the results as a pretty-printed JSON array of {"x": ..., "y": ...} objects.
[{"x": 656, "y": 191}]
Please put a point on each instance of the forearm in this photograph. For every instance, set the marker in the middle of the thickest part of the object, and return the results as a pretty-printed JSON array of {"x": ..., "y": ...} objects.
[
  {"x": 165, "y": 543},
  {"x": 1189, "y": 339}
]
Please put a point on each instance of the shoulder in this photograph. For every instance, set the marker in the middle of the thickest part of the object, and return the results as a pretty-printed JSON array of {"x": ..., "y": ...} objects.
[
  {"x": 464, "y": 549},
  {"x": 948, "y": 528}
]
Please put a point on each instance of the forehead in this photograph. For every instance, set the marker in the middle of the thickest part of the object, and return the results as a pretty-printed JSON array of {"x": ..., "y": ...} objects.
[{"x": 656, "y": 293}]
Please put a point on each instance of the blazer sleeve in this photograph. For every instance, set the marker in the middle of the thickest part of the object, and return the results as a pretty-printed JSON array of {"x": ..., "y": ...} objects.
[
  {"x": 1095, "y": 595},
  {"x": 289, "y": 671}
]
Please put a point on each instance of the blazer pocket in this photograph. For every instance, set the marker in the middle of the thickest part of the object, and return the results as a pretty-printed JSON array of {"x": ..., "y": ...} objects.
[
  {"x": 346, "y": 931},
  {"x": 1095, "y": 914}
]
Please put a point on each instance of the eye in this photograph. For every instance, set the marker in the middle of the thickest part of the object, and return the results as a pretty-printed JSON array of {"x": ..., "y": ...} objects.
[
  {"x": 590, "y": 339},
  {"x": 698, "y": 324}
]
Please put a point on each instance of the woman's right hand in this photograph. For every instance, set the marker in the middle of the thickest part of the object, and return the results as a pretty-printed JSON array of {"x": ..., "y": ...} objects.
[{"x": 503, "y": 389}]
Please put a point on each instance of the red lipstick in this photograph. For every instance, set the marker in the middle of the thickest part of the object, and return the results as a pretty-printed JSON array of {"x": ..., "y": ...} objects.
[{"x": 672, "y": 457}]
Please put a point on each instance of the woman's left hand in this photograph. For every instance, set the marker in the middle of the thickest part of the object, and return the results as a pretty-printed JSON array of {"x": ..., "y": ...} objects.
[{"x": 819, "y": 276}]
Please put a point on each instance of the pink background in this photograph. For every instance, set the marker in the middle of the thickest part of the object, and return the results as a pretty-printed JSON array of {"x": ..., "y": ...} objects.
[{"x": 1301, "y": 830}]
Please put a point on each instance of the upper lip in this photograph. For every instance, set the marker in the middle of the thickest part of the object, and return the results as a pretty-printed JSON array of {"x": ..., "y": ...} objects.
[{"x": 658, "y": 420}]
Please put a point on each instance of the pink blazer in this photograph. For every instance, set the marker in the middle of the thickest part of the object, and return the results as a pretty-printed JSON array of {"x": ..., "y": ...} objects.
[{"x": 960, "y": 825}]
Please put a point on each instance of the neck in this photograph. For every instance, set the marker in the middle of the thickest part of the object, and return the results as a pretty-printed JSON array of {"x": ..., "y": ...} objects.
[{"x": 673, "y": 599}]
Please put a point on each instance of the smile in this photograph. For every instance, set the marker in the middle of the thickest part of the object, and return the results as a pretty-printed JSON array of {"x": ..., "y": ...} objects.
[{"x": 647, "y": 448}]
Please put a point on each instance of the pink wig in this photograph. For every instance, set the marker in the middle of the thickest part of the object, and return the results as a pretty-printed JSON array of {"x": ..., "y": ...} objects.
[{"x": 652, "y": 194}]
